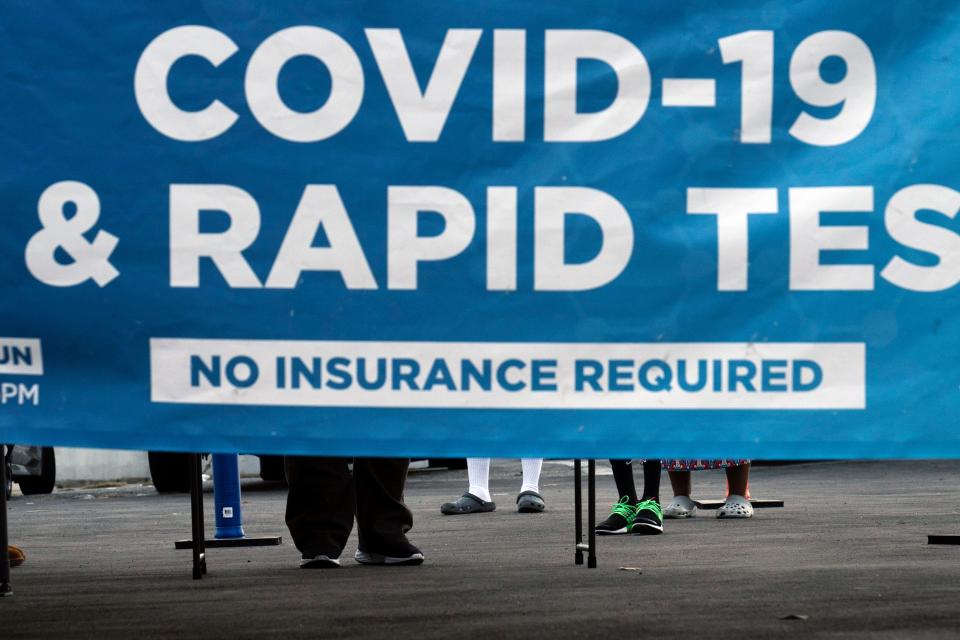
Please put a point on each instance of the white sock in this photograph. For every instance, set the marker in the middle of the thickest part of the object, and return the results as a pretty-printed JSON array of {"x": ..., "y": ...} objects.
[
  {"x": 478, "y": 472},
  {"x": 531, "y": 474}
]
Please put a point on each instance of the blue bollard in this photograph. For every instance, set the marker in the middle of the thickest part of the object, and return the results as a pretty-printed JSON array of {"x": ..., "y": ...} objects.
[{"x": 226, "y": 495}]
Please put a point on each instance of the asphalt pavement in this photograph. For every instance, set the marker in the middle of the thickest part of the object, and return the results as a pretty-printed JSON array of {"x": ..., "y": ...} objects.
[{"x": 847, "y": 557}]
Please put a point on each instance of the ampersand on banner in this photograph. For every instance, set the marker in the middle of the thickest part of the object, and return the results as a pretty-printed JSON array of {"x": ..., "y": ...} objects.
[{"x": 90, "y": 259}]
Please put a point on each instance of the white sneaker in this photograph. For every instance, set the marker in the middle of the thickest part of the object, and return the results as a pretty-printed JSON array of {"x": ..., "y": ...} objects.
[
  {"x": 735, "y": 507},
  {"x": 319, "y": 562},
  {"x": 680, "y": 507}
]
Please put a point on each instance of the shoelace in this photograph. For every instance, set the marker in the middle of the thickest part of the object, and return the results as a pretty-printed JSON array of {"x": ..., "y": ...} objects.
[
  {"x": 624, "y": 509},
  {"x": 651, "y": 505}
]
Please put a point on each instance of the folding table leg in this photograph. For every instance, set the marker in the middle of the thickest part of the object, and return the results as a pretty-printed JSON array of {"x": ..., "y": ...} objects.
[
  {"x": 592, "y": 513},
  {"x": 196, "y": 518},
  {"x": 578, "y": 512},
  {"x": 227, "y": 484}
]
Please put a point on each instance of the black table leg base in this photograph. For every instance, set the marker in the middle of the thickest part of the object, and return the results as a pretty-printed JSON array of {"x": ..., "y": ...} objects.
[
  {"x": 943, "y": 539},
  {"x": 591, "y": 545},
  {"x": 196, "y": 518},
  {"x": 200, "y": 568},
  {"x": 757, "y": 504},
  {"x": 578, "y": 512},
  {"x": 198, "y": 542},
  {"x": 228, "y": 543},
  {"x": 591, "y": 514}
]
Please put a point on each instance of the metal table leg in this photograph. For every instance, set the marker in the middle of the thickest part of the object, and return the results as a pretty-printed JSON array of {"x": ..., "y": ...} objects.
[
  {"x": 592, "y": 513},
  {"x": 578, "y": 512},
  {"x": 591, "y": 546},
  {"x": 196, "y": 517},
  {"x": 227, "y": 536}
]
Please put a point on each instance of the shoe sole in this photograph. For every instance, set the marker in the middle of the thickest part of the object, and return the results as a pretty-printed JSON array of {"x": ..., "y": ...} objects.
[
  {"x": 324, "y": 563},
  {"x": 531, "y": 508},
  {"x": 465, "y": 513},
  {"x": 618, "y": 532},
  {"x": 640, "y": 529},
  {"x": 456, "y": 512},
  {"x": 364, "y": 557}
]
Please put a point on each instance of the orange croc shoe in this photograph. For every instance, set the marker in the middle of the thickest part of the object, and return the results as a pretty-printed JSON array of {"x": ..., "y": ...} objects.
[{"x": 16, "y": 555}]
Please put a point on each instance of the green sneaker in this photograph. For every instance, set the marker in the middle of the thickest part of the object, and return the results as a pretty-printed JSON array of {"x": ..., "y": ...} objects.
[
  {"x": 648, "y": 520},
  {"x": 621, "y": 517}
]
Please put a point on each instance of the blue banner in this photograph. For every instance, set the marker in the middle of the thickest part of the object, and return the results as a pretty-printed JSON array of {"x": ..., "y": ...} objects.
[{"x": 440, "y": 228}]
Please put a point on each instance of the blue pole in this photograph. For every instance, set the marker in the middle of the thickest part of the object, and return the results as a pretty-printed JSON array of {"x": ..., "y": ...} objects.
[{"x": 226, "y": 495}]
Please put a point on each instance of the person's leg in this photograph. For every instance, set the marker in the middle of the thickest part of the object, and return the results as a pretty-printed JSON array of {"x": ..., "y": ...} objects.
[
  {"x": 478, "y": 473},
  {"x": 737, "y": 505},
  {"x": 477, "y": 498},
  {"x": 649, "y": 516},
  {"x": 681, "y": 482},
  {"x": 623, "y": 511},
  {"x": 738, "y": 476},
  {"x": 682, "y": 505},
  {"x": 320, "y": 504},
  {"x": 651, "y": 480},
  {"x": 382, "y": 517},
  {"x": 623, "y": 478},
  {"x": 529, "y": 500},
  {"x": 531, "y": 474}
]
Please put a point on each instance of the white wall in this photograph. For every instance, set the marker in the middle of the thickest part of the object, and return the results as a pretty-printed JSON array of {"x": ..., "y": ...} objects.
[
  {"x": 100, "y": 464},
  {"x": 87, "y": 465}
]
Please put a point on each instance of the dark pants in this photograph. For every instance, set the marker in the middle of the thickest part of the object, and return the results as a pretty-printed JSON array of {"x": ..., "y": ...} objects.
[{"x": 324, "y": 497}]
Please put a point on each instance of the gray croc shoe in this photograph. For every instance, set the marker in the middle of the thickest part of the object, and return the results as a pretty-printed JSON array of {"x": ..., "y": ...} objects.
[
  {"x": 735, "y": 507},
  {"x": 530, "y": 502},
  {"x": 467, "y": 503}
]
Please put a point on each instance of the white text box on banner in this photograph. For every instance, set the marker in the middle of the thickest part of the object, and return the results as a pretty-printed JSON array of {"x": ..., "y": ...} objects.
[{"x": 505, "y": 375}]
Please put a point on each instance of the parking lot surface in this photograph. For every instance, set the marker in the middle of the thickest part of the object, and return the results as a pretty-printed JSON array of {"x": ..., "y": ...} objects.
[{"x": 846, "y": 558}]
